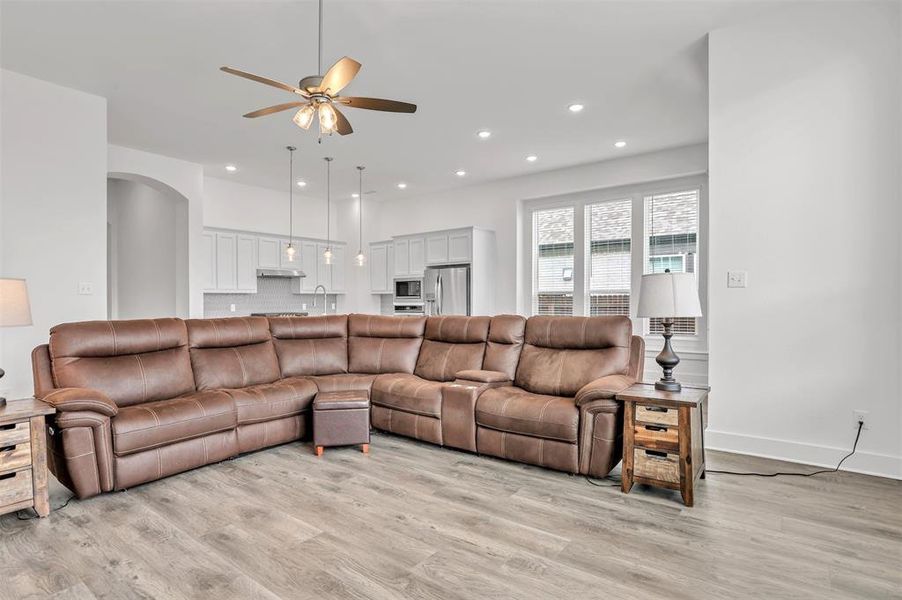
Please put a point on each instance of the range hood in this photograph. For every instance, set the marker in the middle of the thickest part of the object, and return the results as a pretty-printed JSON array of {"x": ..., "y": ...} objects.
[{"x": 280, "y": 273}]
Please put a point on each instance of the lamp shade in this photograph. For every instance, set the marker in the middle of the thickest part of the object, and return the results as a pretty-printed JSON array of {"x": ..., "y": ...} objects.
[
  {"x": 669, "y": 295},
  {"x": 14, "y": 307}
]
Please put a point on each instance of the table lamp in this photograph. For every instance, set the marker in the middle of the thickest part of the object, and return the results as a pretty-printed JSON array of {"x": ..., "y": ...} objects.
[
  {"x": 668, "y": 296},
  {"x": 15, "y": 311}
]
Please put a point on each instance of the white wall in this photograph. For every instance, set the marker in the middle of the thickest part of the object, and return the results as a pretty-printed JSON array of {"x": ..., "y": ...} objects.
[
  {"x": 172, "y": 177},
  {"x": 53, "y": 207},
  {"x": 805, "y": 195},
  {"x": 495, "y": 205},
  {"x": 148, "y": 251}
]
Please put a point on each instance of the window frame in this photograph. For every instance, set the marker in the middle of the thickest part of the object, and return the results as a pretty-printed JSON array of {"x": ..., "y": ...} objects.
[{"x": 637, "y": 194}]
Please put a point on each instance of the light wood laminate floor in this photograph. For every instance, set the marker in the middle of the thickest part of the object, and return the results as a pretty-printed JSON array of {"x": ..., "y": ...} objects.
[{"x": 412, "y": 520}]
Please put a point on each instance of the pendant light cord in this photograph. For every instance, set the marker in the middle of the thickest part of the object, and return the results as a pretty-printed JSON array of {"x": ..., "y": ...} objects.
[
  {"x": 319, "y": 57},
  {"x": 328, "y": 203},
  {"x": 360, "y": 212},
  {"x": 291, "y": 150}
]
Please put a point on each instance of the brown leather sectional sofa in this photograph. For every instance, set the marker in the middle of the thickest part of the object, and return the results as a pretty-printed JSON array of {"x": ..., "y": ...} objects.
[{"x": 141, "y": 400}]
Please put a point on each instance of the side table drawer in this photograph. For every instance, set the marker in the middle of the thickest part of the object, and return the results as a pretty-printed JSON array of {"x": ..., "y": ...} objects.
[
  {"x": 14, "y": 433},
  {"x": 657, "y": 465},
  {"x": 657, "y": 415},
  {"x": 15, "y": 487},
  {"x": 656, "y": 437},
  {"x": 15, "y": 456}
]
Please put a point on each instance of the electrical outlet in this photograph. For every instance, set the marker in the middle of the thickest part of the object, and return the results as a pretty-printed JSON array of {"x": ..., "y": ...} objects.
[
  {"x": 737, "y": 279},
  {"x": 861, "y": 415},
  {"x": 304, "y": 306},
  {"x": 333, "y": 307},
  {"x": 85, "y": 288},
  {"x": 231, "y": 308}
]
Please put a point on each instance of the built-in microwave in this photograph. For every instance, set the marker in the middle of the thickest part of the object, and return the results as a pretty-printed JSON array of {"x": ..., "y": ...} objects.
[{"x": 409, "y": 289}]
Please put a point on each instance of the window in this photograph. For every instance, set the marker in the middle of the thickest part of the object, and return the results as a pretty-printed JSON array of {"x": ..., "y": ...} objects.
[
  {"x": 671, "y": 243},
  {"x": 608, "y": 233},
  {"x": 553, "y": 261}
]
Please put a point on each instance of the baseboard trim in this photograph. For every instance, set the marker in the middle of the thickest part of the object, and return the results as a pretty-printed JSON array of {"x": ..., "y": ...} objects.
[{"x": 867, "y": 463}]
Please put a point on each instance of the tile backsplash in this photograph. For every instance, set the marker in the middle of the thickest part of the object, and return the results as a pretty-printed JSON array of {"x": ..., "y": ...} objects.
[{"x": 273, "y": 295}]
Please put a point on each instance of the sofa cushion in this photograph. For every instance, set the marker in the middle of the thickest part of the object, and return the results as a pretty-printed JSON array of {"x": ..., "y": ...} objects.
[
  {"x": 505, "y": 341},
  {"x": 232, "y": 353},
  {"x": 311, "y": 345},
  {"x": 382, "y": 344},
  {"x": 154, "y": 424},
  {"x": 270, "y": 401},
  {"x": 562, "y": 354},
  {"x": 408, "y": 393},
  {"x": 341, "y": 382},
  {"x": 516, "y": 410},
  {"x": 451, "y": 344},
  {"x": 129, "y": 361}
]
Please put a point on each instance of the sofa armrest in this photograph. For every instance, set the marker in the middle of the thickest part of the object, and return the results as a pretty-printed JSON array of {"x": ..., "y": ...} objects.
[
  {"x": 483, "y": 376},
  {"x": 603, "y": 388},
  {"x": 81, "y": 399}
]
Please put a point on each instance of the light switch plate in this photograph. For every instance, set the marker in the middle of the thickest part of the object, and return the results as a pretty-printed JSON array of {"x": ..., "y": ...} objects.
[
  {"x": 85, "y": 288},
  {"x": 737, "y": 279},
  {"x": 231, "y": 308}
]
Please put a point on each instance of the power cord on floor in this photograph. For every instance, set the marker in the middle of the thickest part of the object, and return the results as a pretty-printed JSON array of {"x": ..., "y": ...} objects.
[
  {"x": 53, "y": 510},
  {"x": 615, "y": 484},
  {"x": 780, "y": 473}
]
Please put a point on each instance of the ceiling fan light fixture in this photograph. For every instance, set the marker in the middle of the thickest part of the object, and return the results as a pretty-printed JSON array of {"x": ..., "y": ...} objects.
[
  {"x": 304, "y": 117},
  {"x": 328, "y": 120}
]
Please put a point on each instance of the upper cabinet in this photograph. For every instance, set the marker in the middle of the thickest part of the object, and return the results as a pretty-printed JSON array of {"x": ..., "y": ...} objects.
[
  {"x": 381, "y": 265},
  {"x": 449, "y": 247},
  {"x": 231, "y": 260},
  {"x": 410, "y": 256}
]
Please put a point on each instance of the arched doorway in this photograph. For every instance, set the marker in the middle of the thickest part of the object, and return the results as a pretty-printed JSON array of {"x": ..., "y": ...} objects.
[{"x": 147, "y": 248}]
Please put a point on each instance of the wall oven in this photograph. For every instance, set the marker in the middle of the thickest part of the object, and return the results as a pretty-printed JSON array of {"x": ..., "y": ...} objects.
[{"x": 407, "y": 290}]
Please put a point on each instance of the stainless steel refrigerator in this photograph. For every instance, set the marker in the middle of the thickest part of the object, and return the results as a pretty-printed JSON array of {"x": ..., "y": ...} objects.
[{"x": 446, "y": 290}]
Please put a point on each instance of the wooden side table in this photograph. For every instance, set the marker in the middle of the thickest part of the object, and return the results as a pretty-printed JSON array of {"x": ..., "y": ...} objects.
[
  {"x": 663, "y": 437},
  {"x": 23, "y": 456}
]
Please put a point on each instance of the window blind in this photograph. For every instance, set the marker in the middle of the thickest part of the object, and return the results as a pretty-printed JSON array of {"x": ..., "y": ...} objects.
[
  {"x": 671, "y": 242},
  {"x": 608, "y": 232},
  {"x": 553, "y": 261}
]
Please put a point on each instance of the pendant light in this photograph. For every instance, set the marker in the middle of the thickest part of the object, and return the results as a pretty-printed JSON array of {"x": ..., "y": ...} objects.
[
  {"x": 290, "y": 251},
  {"x": 360, "y": 258},
  {"x": 327, "y": 255}
]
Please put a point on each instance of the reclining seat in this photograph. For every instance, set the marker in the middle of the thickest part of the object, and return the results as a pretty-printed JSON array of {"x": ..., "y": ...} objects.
[
  {"x": 236, "y": 355},
  {"x": 411, "y": 403},
  {"x": 316, "y": 349},
  {"x": 128, "y": 408},
  {"x": 565, "y": 362}
]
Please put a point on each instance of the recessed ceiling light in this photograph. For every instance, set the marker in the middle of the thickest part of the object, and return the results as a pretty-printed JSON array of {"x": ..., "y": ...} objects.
[
  {"x": 231, "y": 168},
  {"x": 484, "y": 133},
  {"x": 302, "y": 183},
  {"x": 460, "y": 173},
  {"x": 532, "y": 158},
  {"x": 619, "y": 144},
  {"x": 575, "y": 107},
  {"x": 402, "y": 185},
  {"x": 355, "y": 195}
]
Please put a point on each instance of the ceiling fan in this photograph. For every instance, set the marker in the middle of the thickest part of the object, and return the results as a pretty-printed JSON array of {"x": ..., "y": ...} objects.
[{"x": 320, "y": 94}]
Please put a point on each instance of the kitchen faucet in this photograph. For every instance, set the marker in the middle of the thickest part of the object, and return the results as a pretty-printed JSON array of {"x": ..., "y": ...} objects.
[{"x": 316, "y": 289}]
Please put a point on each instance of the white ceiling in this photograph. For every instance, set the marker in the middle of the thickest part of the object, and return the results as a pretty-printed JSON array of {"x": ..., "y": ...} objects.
[{"x": 508, "y": 66}]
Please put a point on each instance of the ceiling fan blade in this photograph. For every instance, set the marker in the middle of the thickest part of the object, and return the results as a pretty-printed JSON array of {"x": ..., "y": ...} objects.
[
  {"x": 342, "y": 125},
  {"x": 377, "y": 104},
  {"x": 265, "y": 80},
  {"x": 339, "y": 75},
  {"x": 273, "y": 109}
]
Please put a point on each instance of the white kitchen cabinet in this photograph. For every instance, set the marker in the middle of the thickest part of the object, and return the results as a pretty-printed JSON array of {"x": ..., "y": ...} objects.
[
  {"x": 460, "y": 246},
  {"x": 437, "y": 249},
  {"x": 208, "y": 252},
  {"x": 309, "y": 260},
  {"x": 226, "y": 262},
  {"x": 339, "y": 269},
  {"x": 417, "y": 257},
  {"x": 268, "y": 253},
  {"x": 246, "y": 263},
  {"x": 380, "y": 280},
  {"x": 402, "y": 258}
]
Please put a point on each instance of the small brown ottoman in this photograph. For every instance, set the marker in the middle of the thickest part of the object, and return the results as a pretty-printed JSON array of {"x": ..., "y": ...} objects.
[{"x": 341, "y": 419}]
